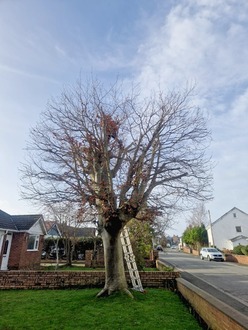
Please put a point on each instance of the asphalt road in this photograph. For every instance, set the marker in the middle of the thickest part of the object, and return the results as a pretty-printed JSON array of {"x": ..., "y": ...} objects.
[{"x": 225, "y": 280}]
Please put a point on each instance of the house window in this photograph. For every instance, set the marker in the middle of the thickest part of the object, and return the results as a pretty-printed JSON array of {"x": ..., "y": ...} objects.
[
  {"x": 33, "y": 242},
  {"x": 5, "y": 248},
  {"x": 234, "y": 215},
  {"x": 238, "y": 229}
]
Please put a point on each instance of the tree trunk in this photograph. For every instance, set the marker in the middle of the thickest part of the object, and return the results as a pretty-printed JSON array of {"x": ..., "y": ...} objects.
[
  {"x": 68, "y": 250},
  {"x": 57, "y": 253},
  {"x": 115, "y": 279}
]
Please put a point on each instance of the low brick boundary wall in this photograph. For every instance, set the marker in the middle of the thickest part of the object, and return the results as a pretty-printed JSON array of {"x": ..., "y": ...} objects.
[
  {"x": 187, "y": 249},
  {"x": 243, "y": 260},
  {"x": 195, "y": 252},
  {"x": 191, "y": 251},
  {"x": 77, "y": 279},
  {"x": 216, "y": 314}
]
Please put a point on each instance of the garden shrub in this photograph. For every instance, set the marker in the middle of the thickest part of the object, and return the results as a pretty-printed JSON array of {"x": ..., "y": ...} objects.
[
  {"x": 238, "y": 249},
  {"x": 244, "y": 250},
  {"x": 141, "y": 239}
]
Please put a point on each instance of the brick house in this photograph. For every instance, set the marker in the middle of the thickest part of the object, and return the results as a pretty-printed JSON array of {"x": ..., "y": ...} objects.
[{"x": 21, "y": 240}]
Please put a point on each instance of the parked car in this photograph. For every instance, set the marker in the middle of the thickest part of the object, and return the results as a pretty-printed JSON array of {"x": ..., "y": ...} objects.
[
  {"x": 211, "y": 254},
  {"x": 174, "y": 247},
  {"x": 53, "y": 253}
]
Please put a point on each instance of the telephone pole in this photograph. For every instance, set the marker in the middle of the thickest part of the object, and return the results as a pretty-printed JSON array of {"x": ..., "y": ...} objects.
[{"x": 211, "y": 229}]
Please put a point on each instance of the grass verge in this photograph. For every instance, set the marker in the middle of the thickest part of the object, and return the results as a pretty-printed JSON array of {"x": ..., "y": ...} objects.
[
  {"x": 80, "y": 309},
  {"x": 82, "y": 268}
]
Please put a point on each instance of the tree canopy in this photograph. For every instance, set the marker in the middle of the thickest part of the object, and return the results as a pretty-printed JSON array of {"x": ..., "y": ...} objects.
[
  {"x": 96, "y": 146},
  {"x": 196, "y": 236},
  {"x": 119, "y": 156}
]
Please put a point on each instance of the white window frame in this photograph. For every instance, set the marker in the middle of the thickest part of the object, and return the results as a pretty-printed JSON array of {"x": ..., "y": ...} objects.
[{"x": 35, "y": 243}]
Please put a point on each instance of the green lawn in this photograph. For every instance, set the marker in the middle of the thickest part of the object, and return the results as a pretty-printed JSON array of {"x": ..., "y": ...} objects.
[
  {"x": 79, "y": 309},
  {"x": 82, "y": 268}
]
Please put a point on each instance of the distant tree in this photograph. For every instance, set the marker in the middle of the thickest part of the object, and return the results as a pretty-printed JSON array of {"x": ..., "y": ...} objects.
[
  {"x": 195, "y": 236},
  {"x": 198, "y": 215},
  {"x": 187, "y": 236},
  {"x": 159, "y": 226},
  {"x": 68, "y": 221},
  {"x": 121, "y": 157},
  {"x": 163, "y": 241}
]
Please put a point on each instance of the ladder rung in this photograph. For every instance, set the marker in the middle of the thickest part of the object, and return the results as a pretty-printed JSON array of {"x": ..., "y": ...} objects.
[{"x": 130, "y": 260}]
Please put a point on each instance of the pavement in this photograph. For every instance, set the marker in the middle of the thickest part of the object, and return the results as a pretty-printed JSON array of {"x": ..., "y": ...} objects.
[
  {"x": 234, "y": 303},
  {"x": 217, "y": 293}
]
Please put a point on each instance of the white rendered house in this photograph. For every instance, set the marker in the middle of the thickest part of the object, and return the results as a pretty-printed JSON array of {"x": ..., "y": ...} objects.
[{"x": 230, "y": 230}]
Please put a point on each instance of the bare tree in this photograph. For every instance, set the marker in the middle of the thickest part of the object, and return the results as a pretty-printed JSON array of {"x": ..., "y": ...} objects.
[
  {"x": 198, "y": 215},
  {"x": 69, "y": 222},
  {"x": 121, "y": 156},
  {"x": 160, "y": 224}
]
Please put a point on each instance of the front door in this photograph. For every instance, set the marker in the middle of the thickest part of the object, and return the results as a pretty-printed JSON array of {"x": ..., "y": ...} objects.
[{"x": 6, "y": 251}]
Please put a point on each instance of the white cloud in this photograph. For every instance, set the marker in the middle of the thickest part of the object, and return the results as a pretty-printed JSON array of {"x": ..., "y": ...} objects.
[
  {"x": 44, "y": 46},
  {"x": 206, "y": 42},
  {"x": 194, "y": 43},
  {"x": 239, "y": 106}
]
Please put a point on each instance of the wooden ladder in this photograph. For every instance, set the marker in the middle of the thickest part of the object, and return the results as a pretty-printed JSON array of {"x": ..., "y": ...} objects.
[{"x": 130, "y": 259}]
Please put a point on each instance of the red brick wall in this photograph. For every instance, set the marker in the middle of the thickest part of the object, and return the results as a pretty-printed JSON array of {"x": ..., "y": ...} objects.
[
  {"x": 19, "y": 257},
  {"x": 16, "y": 250},
  {"x": 186, "y": 249},
  {"x": 59, "y": 280},
  {"x": 237, "y": 258},
  {"x": 195, "y": 252}
]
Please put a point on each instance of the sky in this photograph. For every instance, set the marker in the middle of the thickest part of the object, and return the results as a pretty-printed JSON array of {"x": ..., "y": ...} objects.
[{"x": 46, "y": 45}]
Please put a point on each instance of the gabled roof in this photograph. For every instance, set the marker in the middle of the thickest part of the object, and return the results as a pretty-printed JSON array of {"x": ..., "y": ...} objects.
[
  {"x": 18, "y": 222},
  {"x": 238, "y": 238},
  {"x": 25, "y": 222},
  {"x": 52, "y": 229},
  {"x": 6, "y": 221},
  {"x": 56, "y": 229},
  {"x": 232, "y": 210}
]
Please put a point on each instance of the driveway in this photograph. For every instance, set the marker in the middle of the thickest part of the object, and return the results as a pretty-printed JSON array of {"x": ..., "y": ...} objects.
[{"x": 225, "y": 280}]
